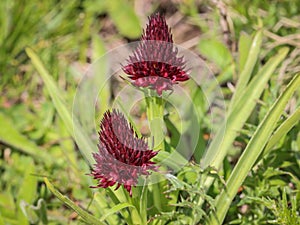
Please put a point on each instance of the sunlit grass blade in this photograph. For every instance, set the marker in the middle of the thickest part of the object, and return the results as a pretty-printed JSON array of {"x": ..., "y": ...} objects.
[
  {"x": 119, "y": 196},
  {"x": 199, "y": 102},
  {"x": 282, "y": 130},
  {"x": 244, "y": 46},
  {"x": 102, "y": 206},
  {"x": 252, "y": 152},
  {"x": 116, "y": 209},
  {"x": 73, "y": 127},
  {"x": 245, "y": 74},
  {"x": 143, "y": 203},
  {"x": 88, "y": 218},
  {"x": 238, "y": 116},
  {"x": 12, "y": 137},
  {"x": 175, "y": 134},
  {"x": 133, "y": 217}
]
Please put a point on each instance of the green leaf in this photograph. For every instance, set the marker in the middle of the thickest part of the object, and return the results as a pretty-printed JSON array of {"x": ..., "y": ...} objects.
[
  {"x": 175, "y": 134},
  {"x": 245, "y": 74},
  {"x": 27, "y": 191},
  {"x": 124, "y": 18},
  {"x": 282, "y": 130},
  {"x": 199, "y": 102},
  {"x": 84, "y": 142},
  {"x": 102, "y": 205},
  {"x": 98, "y": 47},
  {"x": 226, "y": 74},
  {"x": 28, "y": 186},
  {"x": 143, "y": 201},
  {"x": 215, "y": 51},
  {"x": 174, "y": 160},
  {"x": 238, "y": 116},
  {"x": 244, "y": 47},
  {"x": 28, "y": 212},
  {"x": 12, "y": 137},
  {"x": 252, "y": 152},
  {"x": 7, "y": 204},
  {"x": 116, "y": 209},
  {"x": 176, "y": 183},
  {"x": 88, "y": 218},
  {"x": 228, "y": 131},
  {"x": 42, "y": 210},
  {"x": 118, "y": 196}
]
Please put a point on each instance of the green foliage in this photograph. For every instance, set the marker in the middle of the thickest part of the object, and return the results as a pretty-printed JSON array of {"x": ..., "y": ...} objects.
[
  {"x": 260, "y": 201},
  {"x": 120, "y": 11},
  {"x": 85, "y": 215},
  {"x": 251, "y": 173},
  {"x": 253, "y": 150},
  {"x": 273, "y": 12},
  {"x": 216, "y": 51}
]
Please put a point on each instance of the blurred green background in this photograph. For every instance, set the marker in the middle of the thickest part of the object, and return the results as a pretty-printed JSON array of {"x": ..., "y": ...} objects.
[{"x": 68, "y": 36}]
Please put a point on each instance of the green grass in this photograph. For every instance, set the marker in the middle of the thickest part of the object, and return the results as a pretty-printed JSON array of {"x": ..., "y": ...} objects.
[{"x": 247, "y": 172}]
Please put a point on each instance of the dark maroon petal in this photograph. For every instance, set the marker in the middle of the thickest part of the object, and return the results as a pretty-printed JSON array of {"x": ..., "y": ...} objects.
[
  {"x": 122, "y": 156},
  {"x": 156, "y": 57}
]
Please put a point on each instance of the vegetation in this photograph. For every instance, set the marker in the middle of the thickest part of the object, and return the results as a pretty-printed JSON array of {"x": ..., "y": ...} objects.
[{"x": 231, "y": 160}]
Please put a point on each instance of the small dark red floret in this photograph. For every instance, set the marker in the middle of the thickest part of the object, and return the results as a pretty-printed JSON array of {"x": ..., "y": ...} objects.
[
  {"x": 155, "y": 63},
  {"x": 122, "y": 156}
]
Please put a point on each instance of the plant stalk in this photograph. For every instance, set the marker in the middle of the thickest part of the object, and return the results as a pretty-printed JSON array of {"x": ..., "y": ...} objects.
[{"x": 155, "y": 113}]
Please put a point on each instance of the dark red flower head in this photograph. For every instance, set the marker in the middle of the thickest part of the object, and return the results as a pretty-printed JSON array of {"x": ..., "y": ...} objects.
[
  {"x": 155, "y": 63},
  {"x": 122, "y": 156}
]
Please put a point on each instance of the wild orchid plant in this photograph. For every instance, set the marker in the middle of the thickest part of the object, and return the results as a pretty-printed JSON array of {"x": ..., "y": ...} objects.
[
  {"x": 124, "y": 160},
  {"x": 122, "y": 156}
]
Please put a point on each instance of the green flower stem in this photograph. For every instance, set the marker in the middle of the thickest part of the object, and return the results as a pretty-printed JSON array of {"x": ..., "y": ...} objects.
[
  {"x": 143, "y": 191},
  {"x": 155, "y": 113},
  {"x": 121, "y": 196},
  {"x": 137, "y": 214}
]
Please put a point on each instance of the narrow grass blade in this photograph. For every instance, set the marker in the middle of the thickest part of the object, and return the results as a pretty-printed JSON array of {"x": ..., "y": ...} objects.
[
  {"x": 102, "y": 206},
  {"x": 245, "y": 42},
  {"x": 175, "y": 134},
  {"x": 88, "y": 218},
  {"x": 282, "y": 130},
  {"x": 118, "y": 196},
  {"x": 252, "y": 152},
  {"x": 116, "y": 209},
  {"x": 238, "y": 116},
  {"x": 245, "y": 74},
  {"x": 83, "y": 141},
  {"x": 143, "y": 203}
]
